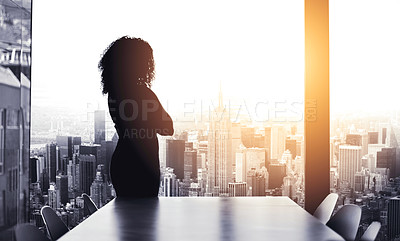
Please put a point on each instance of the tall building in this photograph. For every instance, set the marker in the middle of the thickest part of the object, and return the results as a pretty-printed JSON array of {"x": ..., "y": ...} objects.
[
  {"x": 278, "y": 136},
  {"x": 62, "y": 188},
  {"x": 91, "y": 149},
  {"x": 99, "y": 126},
  {"x": 33, "y": 170},
  {"x": 236, "y": 141},
  {"x": 373, "y": 150},
  {"x": 65, "y": 145},
  {"x": 393, "y": 217},
  {"x": 107, "y": 150},
  {"x": 162, "y": 142},
  {"x": 386, "y": 158},
  {"x": 373, "y": 137},
  {"x": 359, "y": 182},
  {"x": 87, "y": 171},
  {"x": 219, "y": 151},
  {"x": 276, "y": 174},
  {"x": 248, "y": 159},
  {"x": 291, "y": 145},
  {"x": 237, "y": 189},
  {"x": 349, "y": 164},
  {"x": 289, "y": 186},
  {"x": 170, "y": 184},
  {"x": 190, "y": 164},
  {"x": 384, "y": 134},
  {"x": 267, "y": 145},
  {"x": 175, "y": 157},
  {"x": 44, "y": 180},
  {"x": 51, "y": 161},
  {"x": 364, "y": 144},
  {"x": 52, "y": 194},
  {"x": 98, "y": 189},
  {"x": 71, "y": 173},
  {"x": 257, "y": 181},
  {"x": 202, "y": 151}
]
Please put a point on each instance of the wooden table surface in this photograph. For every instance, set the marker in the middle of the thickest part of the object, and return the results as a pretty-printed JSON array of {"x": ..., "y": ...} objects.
[{"x": 202, "y": 218}]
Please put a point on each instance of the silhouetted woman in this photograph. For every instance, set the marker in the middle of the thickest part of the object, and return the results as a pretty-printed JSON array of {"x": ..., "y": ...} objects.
[{"x": 127, "y": 71}]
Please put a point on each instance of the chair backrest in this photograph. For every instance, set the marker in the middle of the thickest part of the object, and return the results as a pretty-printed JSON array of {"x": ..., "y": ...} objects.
[
  {"x": 371, "y": 232},
  {"x": 28, "y": 232},
  {"x": 91, "y": 206},
  {"x": 325, "y": 209},
  {"x": 346, "y": 221},
  {"x": 55, "y": 226}
]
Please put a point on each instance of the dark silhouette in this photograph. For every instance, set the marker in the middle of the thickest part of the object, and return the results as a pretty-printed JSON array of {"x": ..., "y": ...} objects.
[{"x": 127, "y": 71}]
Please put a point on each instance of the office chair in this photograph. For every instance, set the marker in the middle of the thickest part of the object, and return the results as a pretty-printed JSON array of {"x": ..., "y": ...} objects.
[
  {"x": 345, "y": 222},
  {"x": 324, "y": 211},
  {"x": 55, "y": 226}
]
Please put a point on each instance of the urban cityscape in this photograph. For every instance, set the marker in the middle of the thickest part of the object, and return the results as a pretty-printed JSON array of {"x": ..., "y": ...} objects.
[{"x": 225, "y": 157}]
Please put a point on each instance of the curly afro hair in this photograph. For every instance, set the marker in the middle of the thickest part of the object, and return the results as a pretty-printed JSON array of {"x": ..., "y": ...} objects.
[{"x": 126, "y": 59}]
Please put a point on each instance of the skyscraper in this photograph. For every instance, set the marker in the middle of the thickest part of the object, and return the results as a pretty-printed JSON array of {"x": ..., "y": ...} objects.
[
  {"x": 170, "y": 184},
  {"x": 236, "y": 142},
  {"x": 98, "y": 189},
  {"x": 349, "y": 164},
  {"x": 33, "y": 170},
  {"x": 62, "y": 188},
  {"x": 373, "y": 137},
  {"x": 190, "y": 164},
  {"x": 276, "y": 174},
  {"x": 359, "y": 182},
  {"x": 65, "y": 144},
  {"x": 107, "y": 150},
  {"x": 257, "y": 181},
  {"x": 175, "y": 157},
  {"x": 219, "y": 151},
  {"x": 267, "y": 138},
  {"x": 291, "y": 145},
  {"x": 373, "y": 150},
  {"x": 386, "y": 158},
  {"x": 87, "y": 171},
  {"x": 393, "y": 221},
  {"x": 52, "y": 193},
  {"x": 51, "y": 160},
  {"x": 278, "y": 137},
  {"x": 237, "y": 189},
  {"x": 248, "y": 159},
  {"x": 99, "y": 126},
  {"x": 202, "y": 154},
  {"x": 92, "y": 149}
]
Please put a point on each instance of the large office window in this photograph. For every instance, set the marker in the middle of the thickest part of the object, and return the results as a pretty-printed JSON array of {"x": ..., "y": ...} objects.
[
  {"x": 364, "y": 154},
  {"x": 231, "y": 75}
]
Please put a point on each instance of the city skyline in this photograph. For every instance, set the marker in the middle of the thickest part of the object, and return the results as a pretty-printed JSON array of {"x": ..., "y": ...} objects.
[{"x": 245, "y": 140}]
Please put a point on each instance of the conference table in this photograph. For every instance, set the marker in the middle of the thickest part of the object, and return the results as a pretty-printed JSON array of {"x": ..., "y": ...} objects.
[{"x": 201, "y": 218}]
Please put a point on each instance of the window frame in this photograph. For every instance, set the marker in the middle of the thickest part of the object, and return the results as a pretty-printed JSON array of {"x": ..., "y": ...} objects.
[{"x": 316, "y": 103}]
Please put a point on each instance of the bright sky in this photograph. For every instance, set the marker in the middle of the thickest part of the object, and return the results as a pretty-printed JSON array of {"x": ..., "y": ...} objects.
[
  {"x": 254, "y": 48},
  {"x": 364, "y": 55}
]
